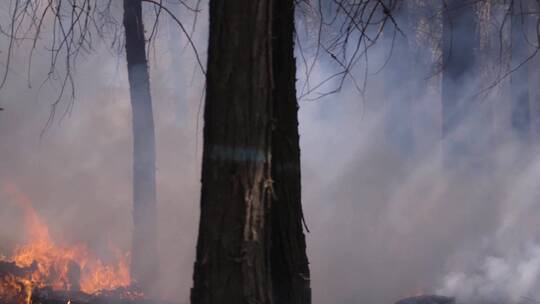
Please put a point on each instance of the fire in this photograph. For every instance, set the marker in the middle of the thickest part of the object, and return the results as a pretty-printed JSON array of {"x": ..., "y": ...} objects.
[
  {"x": 12, "y": 287},
  {"x": 60, "y": 267}
]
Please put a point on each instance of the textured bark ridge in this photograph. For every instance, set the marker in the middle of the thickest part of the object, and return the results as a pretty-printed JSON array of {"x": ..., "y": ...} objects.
[
  {"x": 290, "y": 269},
  {"x": 144, "y": 262},
  {"x": 251, "y": 246},
  {"x": 231, "y": 264}
]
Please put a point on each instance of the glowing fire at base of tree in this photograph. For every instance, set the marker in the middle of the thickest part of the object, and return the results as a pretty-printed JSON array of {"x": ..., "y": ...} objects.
[{"x": 41, "y": 263}]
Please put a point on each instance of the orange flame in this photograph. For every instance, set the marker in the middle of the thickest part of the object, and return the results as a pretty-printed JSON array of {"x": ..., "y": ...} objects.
[{"x": 60, "y": 267}]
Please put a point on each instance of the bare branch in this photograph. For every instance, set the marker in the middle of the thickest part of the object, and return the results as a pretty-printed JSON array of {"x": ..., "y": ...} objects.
[{"x": 179, "y": 23}]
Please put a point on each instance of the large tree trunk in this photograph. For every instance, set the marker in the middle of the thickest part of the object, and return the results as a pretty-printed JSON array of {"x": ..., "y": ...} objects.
[
  {"x": 519, "y": 81},
  {"x": 144, "y": 263},
  {"x": 460, "y": 42},
  {"x": 290, "y": 269},
  {"x": 251, "y": 246},
  {"x": 232, "y": 260}
]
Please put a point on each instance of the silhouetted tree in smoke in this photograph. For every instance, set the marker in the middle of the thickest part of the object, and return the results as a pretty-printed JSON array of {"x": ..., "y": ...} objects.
[
  {"x": 144, "y": 259},
  {"x": 534, "y": 74},
  {"x": 460, "y": 43},
  {"x": 402, "y": 76},
  {"x": 519, "y": 79},
  {"x": 144, "y": 255}
]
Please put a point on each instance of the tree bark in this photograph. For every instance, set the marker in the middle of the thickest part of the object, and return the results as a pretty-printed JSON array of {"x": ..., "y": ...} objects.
[
  {"x": 290, "y": 268},
  {"x": 251, "y": 246},
  {"x": 144, "y": 259},
  {"x": 232, "y": 260}
]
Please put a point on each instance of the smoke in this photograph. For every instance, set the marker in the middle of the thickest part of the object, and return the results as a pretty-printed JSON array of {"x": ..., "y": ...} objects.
[
  {"x": 507, "y": 279},
  {"x": 386, "y": 221},
  {"x": 78, "y": 174}
]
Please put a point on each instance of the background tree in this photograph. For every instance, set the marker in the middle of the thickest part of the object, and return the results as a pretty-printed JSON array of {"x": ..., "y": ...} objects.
[
  {"x": 519, "y": 79},
  {"x": 403, "y": 93},
  {"x": 144, "y": 256},
  {"x": 460, "y": 42}
]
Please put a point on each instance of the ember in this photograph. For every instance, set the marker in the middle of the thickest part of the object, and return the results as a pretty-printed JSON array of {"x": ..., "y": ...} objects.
[{"x": 41, "y": 264}]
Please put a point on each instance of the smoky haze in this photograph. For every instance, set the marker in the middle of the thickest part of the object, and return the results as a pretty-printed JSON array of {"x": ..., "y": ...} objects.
[{"x": 386, "y": 220}]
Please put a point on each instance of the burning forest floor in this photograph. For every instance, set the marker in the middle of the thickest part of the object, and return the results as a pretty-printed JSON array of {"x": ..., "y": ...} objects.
[{"x": 41, "y": 271}]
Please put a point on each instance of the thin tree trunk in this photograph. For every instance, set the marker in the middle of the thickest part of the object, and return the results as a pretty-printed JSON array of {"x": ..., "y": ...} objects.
[
  {"x": 232, "y": 260},
  {"x": 460, "y": 40},
  {"x": 519, "y": 81},
  {"x": 290, "y": 269},
  {"x": 144, "y": 263},
  {"x": 402, "y": 79},
  {"x": 534, "y": 79}
]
